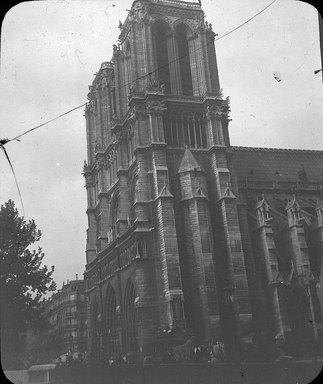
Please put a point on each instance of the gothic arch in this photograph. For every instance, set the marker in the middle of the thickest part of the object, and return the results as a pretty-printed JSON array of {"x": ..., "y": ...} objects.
[
  {"x": 162, "y": 22},
  {"x": 111, "y": 321},
  {"x": 183, "y": 24},
  {"x": 130, "y": 317}
]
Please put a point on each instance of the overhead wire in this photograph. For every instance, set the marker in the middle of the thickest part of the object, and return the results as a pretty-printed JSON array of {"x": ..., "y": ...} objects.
[
  {"x": 147, "y": 74},
  {"x": 15, "y": 177},
  {"x": 47, "y": 122},
  {"x": 198, "y": 48},
  {"x": 3, "y": 142}
]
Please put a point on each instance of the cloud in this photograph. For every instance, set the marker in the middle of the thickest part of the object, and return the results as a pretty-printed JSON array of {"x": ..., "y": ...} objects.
[{"x": 49, "y": 53}]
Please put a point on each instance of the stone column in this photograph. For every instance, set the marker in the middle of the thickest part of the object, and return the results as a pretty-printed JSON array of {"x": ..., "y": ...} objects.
[
  {"x": 295, "y": 243},
  {"x": 228, "y": 257},
  {"x": 211, "y": 61},
  {"x": 266, "y": 248},
  {"x": 196, "y": 81},
  {"x": 141, "y": 187},
  {"x": 167, "y": 263},
  {"x": 317, "y": 237},
  {"x": 90, "y": 132},
  {"x": 294, "y": 235},
  {"x": 215, "y": 116},
  {"x": 146, "y": 306},
  {"x": 191, "y": 196},
  {"x": 120, "y": 83},
  {"x": 122, "y": 221}
]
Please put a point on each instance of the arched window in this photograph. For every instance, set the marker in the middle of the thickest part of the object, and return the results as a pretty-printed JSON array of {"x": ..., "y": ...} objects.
[
  {"x": 130, "y": 317},
  {"x": 159, "y": 32},
  {"x": 111, "y": 321},
  {"x": 184, "y": 60}
]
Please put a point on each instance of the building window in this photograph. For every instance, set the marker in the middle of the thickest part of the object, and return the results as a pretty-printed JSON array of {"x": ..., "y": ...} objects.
[
  {"x": 184, "y": 60},
  {"x": 160, "y": 32},
  {"x": 183, "y": 129}
]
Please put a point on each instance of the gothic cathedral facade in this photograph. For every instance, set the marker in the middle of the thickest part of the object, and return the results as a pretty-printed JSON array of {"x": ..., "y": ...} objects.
[{"x": 185, "y": 231}]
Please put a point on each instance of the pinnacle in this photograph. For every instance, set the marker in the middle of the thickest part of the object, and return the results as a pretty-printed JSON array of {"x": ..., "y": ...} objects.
[{"x": 229, "y": 193}]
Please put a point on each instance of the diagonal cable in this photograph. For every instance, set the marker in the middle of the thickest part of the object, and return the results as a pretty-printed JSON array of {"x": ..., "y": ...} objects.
[
  {"x": 14, "y": 174},
  {"x": 199, "y": 48},
  {"x": 147, "y": 74},
  {"x": 47, "y": 122},
  {"x": 5, "y": 141}
]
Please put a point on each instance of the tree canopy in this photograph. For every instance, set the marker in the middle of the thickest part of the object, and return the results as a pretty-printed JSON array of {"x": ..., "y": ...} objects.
[{"x": 23, "y": 279}]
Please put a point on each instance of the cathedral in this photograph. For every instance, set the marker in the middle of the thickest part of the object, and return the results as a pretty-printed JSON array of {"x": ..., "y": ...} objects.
[{"x": 187, "y": 233}]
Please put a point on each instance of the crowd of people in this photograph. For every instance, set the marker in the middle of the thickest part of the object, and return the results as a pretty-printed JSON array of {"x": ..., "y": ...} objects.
[{"x": 261, "y": 348}]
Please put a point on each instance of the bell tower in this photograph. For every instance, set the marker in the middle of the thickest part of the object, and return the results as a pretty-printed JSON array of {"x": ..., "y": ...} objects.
[{"x": 162, "y": 204}]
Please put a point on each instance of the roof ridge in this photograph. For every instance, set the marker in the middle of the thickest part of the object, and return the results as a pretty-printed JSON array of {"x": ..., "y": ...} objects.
[{"x": 264, "y": 149}]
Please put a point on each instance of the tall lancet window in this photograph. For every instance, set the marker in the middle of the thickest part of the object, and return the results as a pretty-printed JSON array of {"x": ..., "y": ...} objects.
[
  {"x": 184, "y": 60},
  {"x": 160, "y": 32}
]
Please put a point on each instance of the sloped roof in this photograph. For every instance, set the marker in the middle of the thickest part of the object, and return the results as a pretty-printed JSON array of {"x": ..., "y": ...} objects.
[
  {"x": 269, "y": 164},
  {"x": 188, "y": 162}
]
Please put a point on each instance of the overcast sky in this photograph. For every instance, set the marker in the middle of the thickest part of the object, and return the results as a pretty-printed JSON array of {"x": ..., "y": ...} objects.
[{"x": 49, "y": 53}]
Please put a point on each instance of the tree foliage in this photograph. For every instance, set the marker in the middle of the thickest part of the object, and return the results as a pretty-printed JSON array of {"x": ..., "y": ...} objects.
[{"x": 23, "y": 279}]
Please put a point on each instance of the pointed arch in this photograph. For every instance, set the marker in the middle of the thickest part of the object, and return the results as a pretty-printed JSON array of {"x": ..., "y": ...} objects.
[
  {"x": 111, "y": 321},
  {"x": 130, "y": 317}
]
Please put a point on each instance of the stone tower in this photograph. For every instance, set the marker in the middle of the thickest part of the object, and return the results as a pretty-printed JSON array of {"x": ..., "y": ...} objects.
[{"x": 166, "y": 240}]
